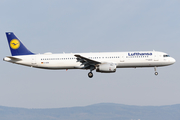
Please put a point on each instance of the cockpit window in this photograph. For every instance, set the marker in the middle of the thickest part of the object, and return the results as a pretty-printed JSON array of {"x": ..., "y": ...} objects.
[{"x": 166, "y": 55}]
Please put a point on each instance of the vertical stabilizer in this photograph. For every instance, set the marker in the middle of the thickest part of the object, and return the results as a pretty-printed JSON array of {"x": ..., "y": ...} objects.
[{"x": 16, "y": 46}]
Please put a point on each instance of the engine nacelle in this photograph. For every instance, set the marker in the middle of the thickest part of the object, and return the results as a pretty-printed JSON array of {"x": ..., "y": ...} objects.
[{"x": 106, "y": 68}]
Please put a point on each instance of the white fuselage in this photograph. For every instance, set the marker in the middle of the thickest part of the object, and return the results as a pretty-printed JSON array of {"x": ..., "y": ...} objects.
[{"x": 121, "y": 59}]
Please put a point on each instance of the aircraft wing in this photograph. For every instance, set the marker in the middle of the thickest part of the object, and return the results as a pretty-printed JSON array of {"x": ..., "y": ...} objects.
[{"x": 86, "y": 61}]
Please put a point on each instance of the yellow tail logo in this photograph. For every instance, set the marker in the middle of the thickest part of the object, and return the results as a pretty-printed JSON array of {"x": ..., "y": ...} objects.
[{"x": 14, "y": 44}]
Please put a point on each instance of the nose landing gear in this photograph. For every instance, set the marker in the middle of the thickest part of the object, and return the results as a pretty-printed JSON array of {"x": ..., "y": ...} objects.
[{"x": 156, "y": 73}]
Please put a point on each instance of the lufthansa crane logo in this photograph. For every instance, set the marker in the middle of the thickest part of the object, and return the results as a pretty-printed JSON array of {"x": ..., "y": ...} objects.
[{"x": 14, "y": 44}]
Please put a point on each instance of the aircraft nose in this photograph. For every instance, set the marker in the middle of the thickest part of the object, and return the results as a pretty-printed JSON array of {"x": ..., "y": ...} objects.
[{"x": 173, "y": 60}]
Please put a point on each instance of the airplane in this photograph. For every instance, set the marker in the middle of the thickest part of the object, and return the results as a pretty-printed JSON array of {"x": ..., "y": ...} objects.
[{"x": 104, "y": 62}]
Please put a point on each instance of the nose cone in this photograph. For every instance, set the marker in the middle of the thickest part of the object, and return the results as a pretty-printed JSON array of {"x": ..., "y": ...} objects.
[{"x": 173, "y": 60}]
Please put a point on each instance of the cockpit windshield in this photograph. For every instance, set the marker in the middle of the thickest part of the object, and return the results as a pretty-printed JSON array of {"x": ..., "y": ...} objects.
[{"x": 166, "y": 55}]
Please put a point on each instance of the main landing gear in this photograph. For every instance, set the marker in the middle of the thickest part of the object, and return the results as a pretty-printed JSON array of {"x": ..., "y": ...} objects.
[
  {"x": 156, "y": 73},
  {"x": 90, "y": 74}
]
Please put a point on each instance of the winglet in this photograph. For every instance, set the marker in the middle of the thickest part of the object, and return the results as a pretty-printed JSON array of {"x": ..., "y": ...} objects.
[{"x": 16, "y": 46}]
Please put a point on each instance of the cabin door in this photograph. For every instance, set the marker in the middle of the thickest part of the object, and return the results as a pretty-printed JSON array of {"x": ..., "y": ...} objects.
[
  {"x": 156, "y": 57},
  {"x": 122, "y": 58},
  {"x": 33, "y": 61}
]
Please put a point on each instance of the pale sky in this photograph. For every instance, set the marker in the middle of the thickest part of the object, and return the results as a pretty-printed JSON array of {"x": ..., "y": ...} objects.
[{"x": 90, "y": 26}]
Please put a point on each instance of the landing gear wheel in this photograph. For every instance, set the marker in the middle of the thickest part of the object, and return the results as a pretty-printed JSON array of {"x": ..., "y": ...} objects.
[
  {"x": 90, "y": 74},
  {"x": 156, "y": 73}
]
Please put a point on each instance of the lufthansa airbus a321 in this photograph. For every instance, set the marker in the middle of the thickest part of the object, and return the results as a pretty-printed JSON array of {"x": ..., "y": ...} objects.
[{"x": 105, "y": 62}]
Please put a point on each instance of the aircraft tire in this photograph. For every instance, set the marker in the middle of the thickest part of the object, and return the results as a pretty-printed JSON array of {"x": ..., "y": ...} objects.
[
  {"x": 156, "y": 73},
  {"x": 90, "y": 74}
]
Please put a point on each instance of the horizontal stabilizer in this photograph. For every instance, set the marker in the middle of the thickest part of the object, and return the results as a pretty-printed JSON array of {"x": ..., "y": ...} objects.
[{"x": 10, "y": 58}]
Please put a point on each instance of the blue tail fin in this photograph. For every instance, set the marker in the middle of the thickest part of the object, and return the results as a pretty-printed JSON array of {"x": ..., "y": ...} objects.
[{"x": 16, "y": 46}]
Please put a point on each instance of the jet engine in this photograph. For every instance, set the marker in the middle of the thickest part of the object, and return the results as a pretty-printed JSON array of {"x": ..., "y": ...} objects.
[{"x": 106, "y": 68}]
